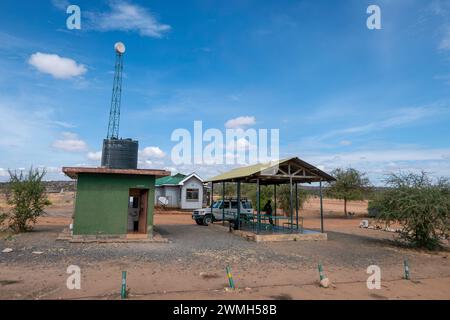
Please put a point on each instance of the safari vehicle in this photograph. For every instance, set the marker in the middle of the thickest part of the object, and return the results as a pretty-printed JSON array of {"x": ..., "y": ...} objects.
[{"x": 223, "y": 210}]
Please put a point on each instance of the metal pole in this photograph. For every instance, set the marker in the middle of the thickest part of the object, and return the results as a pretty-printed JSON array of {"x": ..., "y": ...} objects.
[
  {"x": 275, "y": 204},
  {"x": 238, "y": 218},
  {"x": 212, "y": 201},
  {"x": 258, "y": 205},
  {"x": 291, "y": 206},
  {"x": 123, "y": 291},
  {"x": 296, "y": 202},
  {"x": 223, "y": 203},
  {"x": 406, "y": 266},
  {"x": 211, "y": 196},
  {"x": 230, "y": 277},
  {"x": 321, "y": 207},
  {"x": 321, "y": 274}
]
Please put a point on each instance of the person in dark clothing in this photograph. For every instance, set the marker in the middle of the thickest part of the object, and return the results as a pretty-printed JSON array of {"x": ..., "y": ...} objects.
[{"x": 268, "y": 210}]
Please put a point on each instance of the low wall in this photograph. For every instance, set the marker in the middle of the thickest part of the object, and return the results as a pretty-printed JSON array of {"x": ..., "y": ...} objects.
[{"x": 251, "y": 236}]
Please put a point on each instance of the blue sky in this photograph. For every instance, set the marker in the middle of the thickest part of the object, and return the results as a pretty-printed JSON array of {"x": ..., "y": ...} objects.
[{"x": 342, "y": 95}]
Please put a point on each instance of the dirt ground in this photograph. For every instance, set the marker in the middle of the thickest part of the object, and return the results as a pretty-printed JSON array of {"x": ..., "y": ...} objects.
[{"x": 192, "y": 265}]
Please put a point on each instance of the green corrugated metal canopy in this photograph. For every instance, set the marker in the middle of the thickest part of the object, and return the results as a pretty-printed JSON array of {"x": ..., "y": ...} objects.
[
  {"x": 276, "y": 172},
  {"x": 170, "y": 181}
]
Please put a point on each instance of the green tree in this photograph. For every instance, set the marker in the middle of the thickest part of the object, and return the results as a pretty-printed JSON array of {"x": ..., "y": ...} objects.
[
  {"x": 419, "y": 205},
  {"x": 350, "y": 184},
  {"x": 26, "y": 194},
  {"x": 249, "y": 192},
  {"x": 284, "y": 199}
]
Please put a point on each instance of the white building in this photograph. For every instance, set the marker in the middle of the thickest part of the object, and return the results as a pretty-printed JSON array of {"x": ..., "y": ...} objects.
[{"x": 180, "y": 191}]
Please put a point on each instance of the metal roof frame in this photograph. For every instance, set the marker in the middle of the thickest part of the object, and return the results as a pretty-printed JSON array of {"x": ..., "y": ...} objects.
[{"x": 276, "y": 172}]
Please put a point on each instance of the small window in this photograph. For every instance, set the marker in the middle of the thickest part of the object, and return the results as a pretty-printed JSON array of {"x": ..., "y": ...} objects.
[
  {"x": 134, "y": 202},
  {"x": 233, "y": 204},
  {"x": 192, "y": 194}
]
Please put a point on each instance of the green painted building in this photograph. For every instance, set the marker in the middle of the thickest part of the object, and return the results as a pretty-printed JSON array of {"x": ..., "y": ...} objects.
[{"x": 114, "y": 202}]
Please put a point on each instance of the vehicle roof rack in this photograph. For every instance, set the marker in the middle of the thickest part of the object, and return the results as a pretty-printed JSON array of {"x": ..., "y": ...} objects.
[{"x": 235, "y": 199}]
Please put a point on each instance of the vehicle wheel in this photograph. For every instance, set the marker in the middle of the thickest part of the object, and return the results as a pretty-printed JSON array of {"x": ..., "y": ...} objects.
[
  {"x": 207, "y": 220},
  {"x": 199, "y": 222}
]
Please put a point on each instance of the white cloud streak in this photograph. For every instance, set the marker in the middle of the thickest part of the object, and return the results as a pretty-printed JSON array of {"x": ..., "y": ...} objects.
[
  {"x": 61, "y": 4},
  {"x": 240, "y": 122},
  {"x": 445, "y": 42},
  {"x": 379, "y": 162},
  {"x": 70, "y": 143},
  {"x": 400, "y": 118},
  {"x": 124, "y": 16}
]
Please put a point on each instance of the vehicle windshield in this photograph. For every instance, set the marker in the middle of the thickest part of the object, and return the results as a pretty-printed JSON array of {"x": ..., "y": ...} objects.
[
  {"x": 246, "y": 204},
  {"x": 217, "y": 204}
]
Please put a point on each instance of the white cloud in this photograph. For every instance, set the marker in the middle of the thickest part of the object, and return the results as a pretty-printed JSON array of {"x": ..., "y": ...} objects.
[
  {"x": 62, "y": 124},
  {"x": 61, "y": 4},
  {"x": 441, "y": 8},
  {"x": 152, "y": 152},
  {"x": 70, "y": 143},
  {"x": 56, "y": 66},
  {"x": 234, "y": 97},
  {"x": 379, "y": 162},
  {"x": 385, "y": 155},
  {"x": 345, "y": 143},
  {"x": 445, "y": 42},
  {"x": 398, "y": 118},
  {"x": 240, "y": 145},
  {"x": 129, "y": 17},
  {"x": 94, "y": 156},
  {"x": 4, "y": 173},
  {"x": 172, "y": 170},
  {"x": 21, "y": 125},
  {"x": 240, "y": 122}
]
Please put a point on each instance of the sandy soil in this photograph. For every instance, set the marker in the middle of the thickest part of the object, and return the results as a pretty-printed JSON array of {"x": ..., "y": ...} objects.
[{"x": 192, "y": 265}]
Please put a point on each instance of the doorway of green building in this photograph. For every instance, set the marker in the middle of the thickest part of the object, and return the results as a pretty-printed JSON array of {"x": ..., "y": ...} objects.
[{"x": 137, "y": 213}]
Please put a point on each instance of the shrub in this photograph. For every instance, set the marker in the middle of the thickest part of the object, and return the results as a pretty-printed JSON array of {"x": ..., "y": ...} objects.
[
  {"x": 26, "y": 195},
  {"x": 3, "y": 217},
  {"x": 419, "y": 205}
]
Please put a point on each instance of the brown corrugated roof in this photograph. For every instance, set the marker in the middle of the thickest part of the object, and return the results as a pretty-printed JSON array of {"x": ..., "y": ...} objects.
[{"x": 73, "y": 172}]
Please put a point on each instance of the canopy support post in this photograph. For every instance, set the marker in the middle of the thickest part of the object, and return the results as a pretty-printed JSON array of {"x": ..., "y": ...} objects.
[
  {"x": 258, "y": 206},
  {"x": 212, "y": 195},
  {"x": 275, "y": 203},
  {"x": 321, "y": 206},
  {"x": 212, "y": 201},
  {"x": 291, "y": 205},
  {"x": 296, "y": 203},
  {"x": 223, "y": 203},
  {"x": 238, "y": 218}
]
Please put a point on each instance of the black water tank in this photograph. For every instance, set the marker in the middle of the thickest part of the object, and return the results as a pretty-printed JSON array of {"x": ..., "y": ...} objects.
[{"x": 120, "y": 154}]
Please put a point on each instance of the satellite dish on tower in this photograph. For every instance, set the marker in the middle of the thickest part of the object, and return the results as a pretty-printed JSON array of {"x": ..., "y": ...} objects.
[{"x": 120, "y": 48}]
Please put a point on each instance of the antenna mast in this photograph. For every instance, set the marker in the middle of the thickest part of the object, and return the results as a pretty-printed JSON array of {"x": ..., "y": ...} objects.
[{"x": 114, "y": 114}]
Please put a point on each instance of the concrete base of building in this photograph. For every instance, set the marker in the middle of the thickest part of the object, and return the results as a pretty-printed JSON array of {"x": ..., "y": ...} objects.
[
  {"x": 127, "y": 238},
  {"x": 275, "y": 237}
]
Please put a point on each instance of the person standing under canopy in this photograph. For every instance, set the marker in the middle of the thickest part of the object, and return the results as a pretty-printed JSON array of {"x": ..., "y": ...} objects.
[{"x": 268, "y": 210}]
